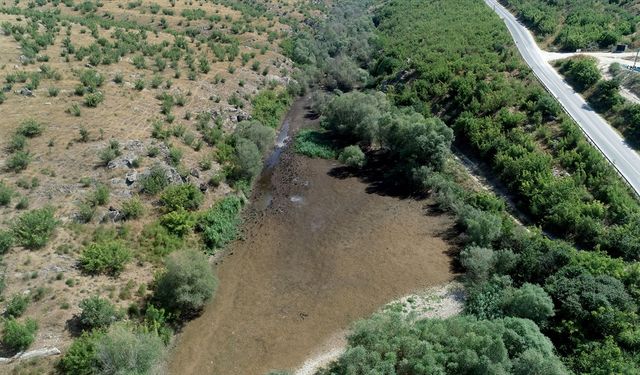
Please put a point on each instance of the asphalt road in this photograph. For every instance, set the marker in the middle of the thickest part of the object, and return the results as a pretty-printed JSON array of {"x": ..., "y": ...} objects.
[{"x": 601, "y": 134}]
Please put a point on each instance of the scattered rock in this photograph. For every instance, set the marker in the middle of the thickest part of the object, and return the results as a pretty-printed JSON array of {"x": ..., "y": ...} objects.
[
  {"x": 195, "y": 173},
  {"x": 131, "y": 177},
  {"x": 125, "y": 161},
  {"x": 38, "y": 353},
  {"x": 113, "y": 215},
  {"x": 25, "y": 92}
]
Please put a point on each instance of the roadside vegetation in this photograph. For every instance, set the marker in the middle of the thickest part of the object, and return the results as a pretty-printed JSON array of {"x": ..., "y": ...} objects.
[
  {"x": 604, "y": 94},
  {"x": 411, "y": 90},
  {"x": 579, "y": 24}
]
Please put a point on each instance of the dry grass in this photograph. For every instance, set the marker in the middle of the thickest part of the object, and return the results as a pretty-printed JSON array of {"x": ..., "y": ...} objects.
[{"x": 60, "y": 159}]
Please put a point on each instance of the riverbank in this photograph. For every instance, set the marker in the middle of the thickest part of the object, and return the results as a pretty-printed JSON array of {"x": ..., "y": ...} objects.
[{"x": 319, "y": 253}]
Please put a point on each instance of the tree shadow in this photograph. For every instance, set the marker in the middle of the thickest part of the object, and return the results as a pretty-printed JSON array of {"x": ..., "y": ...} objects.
[
  {"x": 383, "y": 176},
  {"x": 74, "y": 327}
]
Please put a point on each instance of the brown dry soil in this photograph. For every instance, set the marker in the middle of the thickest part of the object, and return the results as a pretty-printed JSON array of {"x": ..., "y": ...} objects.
[{"x": 319, "y": 253}]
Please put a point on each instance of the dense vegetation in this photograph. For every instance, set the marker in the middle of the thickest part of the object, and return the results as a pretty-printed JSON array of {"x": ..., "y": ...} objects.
[
  {"x": 604, "y": 94},
  {"x": 576, "y": 24},
  {"x": 452, "y": 62}
]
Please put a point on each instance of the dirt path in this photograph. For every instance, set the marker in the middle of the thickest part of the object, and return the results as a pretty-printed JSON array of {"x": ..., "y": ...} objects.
[{"x": 322, "y": 254}]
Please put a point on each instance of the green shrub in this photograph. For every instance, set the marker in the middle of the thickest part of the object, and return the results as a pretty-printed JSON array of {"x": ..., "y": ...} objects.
[
  {"x": 30, "y": 128},
  {"x": 6, "y": 241},
  {"x": 23, "y": 203},
  {"x": 158, "y": 241},
  {"x": 431, "y": 346},
  {"x": 6, "y": 194},
  {"x": 91, "y": 79},
  {"x": 108, "y": 257},
  {"x": 269, "y": 107},
  {"x": 97, "y": 313},
  {"x": 18, "y": 142},
  {"x": 155, "y": 181},
  {"x": 80, "y": 358},
  {"x": 125, "y": 349},
  {"x": 139, "y": 84},
  {"x": 219, "y": 224},
  {"x": 175, "y": 154},
  {"x": 85, "y": 213},
  {"x": 53, "y": 91},
  {"x": 74, "y": 110},
  {"x": 17, "y": 336},
  {"x": 186, "y": 196},
  {"x": 34, "y": 228},
  {"x": 479, "y": 262},
  {"x": 187, "y": 283},
  {"x": 352, "y": 156},
  {"x": 132, "y": 208},
  {"x": 481, "y": 227},
  {"x": 529, "y": 302},
  {"x": 17, "y": 306},
  {"x": 110, "y": 152},
  {"x": 100, "y": 196},
  {"x": 178, "y": 221},
  {"x": 262, "y": 136},
  {"x": 92, "y": 100},
  {"x": 18, "y": 161},
  {"x": 247, "y": 161},
  {"x": 314, "y": 144}
]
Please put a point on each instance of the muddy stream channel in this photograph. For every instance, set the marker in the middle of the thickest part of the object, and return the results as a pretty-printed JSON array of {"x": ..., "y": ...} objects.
[{"x": 320, "y": 249}]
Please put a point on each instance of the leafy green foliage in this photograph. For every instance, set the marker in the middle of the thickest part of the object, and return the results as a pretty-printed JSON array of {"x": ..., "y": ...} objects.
[
  {"x": 269, "y": 107},
  {"x": 17, "y": 306},
  {"x": 178, "y": 222},
  {"x": 314, "y": 144},
  {"x": 254, "y": 131},
  {"x": 18, "y": 336},
  {"x": 18, "y": 161},
  {"x": 110, "y": 152},
  {"x": 6, "y": 241},
  {"x": 187, "y": 283},
  {"x": 184, "y": 196},
  {"x": 219, "y": 224},
  {"x": 581, "y": 71},
  {"x": 389, "y": 341},
  {"x": 124, "y": 349},
  {"x": 80, "y": 358},
  {"x": 155, "y": 180},
  {"x": 132, "y": 208},
  {"x": 352, "y": 156},
  {"x": 30, "y": 128},
  {"x": 6, "y": 193},
  {"x": 578, "y": 24},
  {"x": 97, "y": 313},
  {"x": 108, "y": 257},
  {"x": 33, "y": 229}
]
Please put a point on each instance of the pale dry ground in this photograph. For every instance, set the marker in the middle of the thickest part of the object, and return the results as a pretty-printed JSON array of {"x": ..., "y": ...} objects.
[
  {"x": 434, "y": 303},
  {"x": 60, "y": 160},
  {"x": 605, "y": 59}
]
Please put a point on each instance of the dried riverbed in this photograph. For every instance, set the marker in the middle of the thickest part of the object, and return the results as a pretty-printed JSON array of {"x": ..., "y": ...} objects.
[{"x": 319, "y": 252}]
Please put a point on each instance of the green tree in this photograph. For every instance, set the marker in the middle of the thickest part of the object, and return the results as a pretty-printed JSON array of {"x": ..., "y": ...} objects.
[
  {"x": 187, "y": 283},
  {"x": 97, "y": 313},
  {"x": 34, "y": 228},
  {"x": 530, "y": 302}
]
